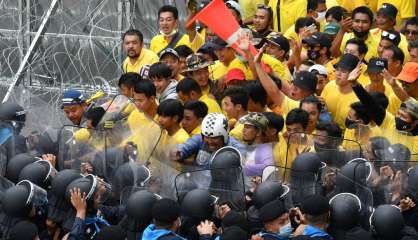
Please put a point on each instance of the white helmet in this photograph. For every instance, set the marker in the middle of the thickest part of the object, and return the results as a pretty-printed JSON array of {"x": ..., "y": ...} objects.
[{"x": 215, "y": 125}]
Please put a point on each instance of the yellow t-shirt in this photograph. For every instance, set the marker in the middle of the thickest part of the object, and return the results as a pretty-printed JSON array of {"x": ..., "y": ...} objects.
[
  {"x": 213, "y": 106},
  {"x": 279, "y": 68},
  {"x": 236, "y": 132},
  {"x": 159, "y": 42},
  {"x": 249, "y": 7},
  {"x": 403, "y": 44},
  {"x": 146, "y": 57},
  {"x": 287, "y": 105},
  {"x": 359, "y": 136},
  {"x": 394, "y": 103},
  {"x": 406, "y": 9},
  {"x": 217, "y": 70},
  {"x": 196, "y": 131},
  {"x": 290, "y": 11},
  {"x": 273, "y": 63},
  {"x": 331, "y": 3},
  {"x": 394, "y": 136},
  {"x": 338, "y": 104},
  {"x": 350, "y": 5},
  {"x": 371, "y": 42},
  {"x": 236, "y": 63}
]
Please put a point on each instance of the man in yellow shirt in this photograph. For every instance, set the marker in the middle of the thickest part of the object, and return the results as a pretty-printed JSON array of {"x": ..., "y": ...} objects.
[
  {"x": 359, "y": 26},
  {"x": 411, "y": 29},
  {"x": 169, "y": 36},
  {"x": 235, "y": 105},
  {"x": 388, "y": 38},
  {"x": 286, "y": 12},
  {"x": 170, "y": 114},
  {"x": 188, "y": 89},
  {"x": 225, "y": 56},
  {"x": 406, "y": 9},
  {"x": 144, "y": 97},
  {"x": 350, "y": 5},
  {"x": 278, "y": 47},
  {"x": 197, "y": 68},
  {"x": 171, "y": 58},
  {"x": 194, "y": 112},
  {"x": 138, "y": 56},
  {"x": 338, "y": 95},
  {"x": 249, "y": 7}
]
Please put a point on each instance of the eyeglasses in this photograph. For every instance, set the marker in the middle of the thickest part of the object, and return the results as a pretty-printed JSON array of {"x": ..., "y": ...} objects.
[
  {"x": 410, "y": 32},
  {"x": 391, "y": 36}
]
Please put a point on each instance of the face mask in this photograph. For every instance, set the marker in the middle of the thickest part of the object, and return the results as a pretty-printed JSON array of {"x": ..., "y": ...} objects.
[
  {"x": 286, "y": 231},
  {"x": 401, "y": 125},
  {"x": 313, "y": 55},
  {"x": 321, "y": 16},
  {"x": 360, "y": 34},
  {"x": 350, "y": 124},
  {"x": 169, "y": 34}
]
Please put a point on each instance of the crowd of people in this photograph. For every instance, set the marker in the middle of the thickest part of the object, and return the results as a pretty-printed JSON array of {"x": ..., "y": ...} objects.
[{"x": 311, "y": 136}]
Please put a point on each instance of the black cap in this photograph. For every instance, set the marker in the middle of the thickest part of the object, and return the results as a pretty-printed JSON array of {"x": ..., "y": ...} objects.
[
  {"x": 218, "y": 43},
  {"x": 233, "y": 233},
  {"x": 279, "y": 40},
  {"x": 388, "y": 10},
  {"x": 318, "y": 38},
  {"x": 306, "y": 81},
  {"x": 165, "y": 211},
  {"x": 347, "y": 62},
  {"x": 169, "y": 51},
  {"x": 233, "y": 218},
  {"x": 315, "y": 205},
  {"x": 272, "y": 210},
  {"x": 376, "y": 65}
]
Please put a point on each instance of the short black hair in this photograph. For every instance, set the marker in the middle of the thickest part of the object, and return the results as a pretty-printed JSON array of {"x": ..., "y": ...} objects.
[
  {"x": 256, "y": 92},
  {"x": 183, "y": 51},
  {"x": 332, "y": 129},
  {"x": 95, "y": 114},
  {"x": 171, "y": 108},
  {"x": 159, "y": 70},
  {"x": 145, "y": 87},
  {"x": 312, "y": 100},
  {"x": 361, "y": 112},
  {"x": 308, "y": 63},
  {"x": 275, "y": 120},
  {"x": 312, "y": 5},
  {"x": 129, "y": 79},
  {"x": 132, "y": 32},
  {"x": 413, "y": 44},
  {"x": 298, "y": 115},
  {"x": 363, "y": 10},
  {"x": 412, "y": 21},
  {"x": 398, "y": 54},
  {"x": 238, "y": 95},
  {"x": 337, "y": 12},
  {"x": 199, "y": 108},
  {"x": 397, "y": 39},
  {"x": 303, "y": 22},
  {"x": 187, "y": 85},
  {"x": 380, "y": 98},
  {"x": 169, "y": 8},
  {"x": 362, "y": 47}
]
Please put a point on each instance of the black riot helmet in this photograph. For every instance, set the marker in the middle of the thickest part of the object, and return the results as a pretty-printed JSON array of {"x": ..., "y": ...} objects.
[
  {"x": 306, "y": 164},
  {"x": 40, "y": 173},
  {"x": 354, "y": 173},
  {"x": 62, "y": 179},
  {"x": 199, "y": 204},
  {"x": 345, "y": 211},
  {"x": 87, "y": 184},
  {"x": 397, "y": 157},
  {"x": 412, "y": 188},
  {"x": 129, "y": 174},
  {"x": 12, "y": 112},
  {"x": 268, "y": 191},
  {"x": 225, "y": 164},
  {"x": 139, "y": 205},
  {"x": 16, "y": 164},
  {"x": 386, "y": 222},
  {"x": 18, "y": 200}
]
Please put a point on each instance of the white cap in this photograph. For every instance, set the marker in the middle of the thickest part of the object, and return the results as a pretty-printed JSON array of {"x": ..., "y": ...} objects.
[
  {"x": 235, "y": 6},
  {"x": 319, "y": 68}
]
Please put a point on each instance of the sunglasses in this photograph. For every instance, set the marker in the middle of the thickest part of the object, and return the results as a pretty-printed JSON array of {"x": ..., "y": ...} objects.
[
  {"x": 391, "y": 36},
  {"x": 410, "y": 32}
]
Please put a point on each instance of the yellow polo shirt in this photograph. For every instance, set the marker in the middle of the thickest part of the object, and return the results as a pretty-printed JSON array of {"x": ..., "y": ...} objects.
[
  {"x": 350, "y": 5},
  {"x": 371, "y": 42},
  {"x": 146, "y": 57},
  {"x": 213, "y": 106},
  {"x": 159, "y": 42},
  {"x": 406, "y": 9},
  {"x": 290, "y": 11},
  {"x": 403, "y": 44}
]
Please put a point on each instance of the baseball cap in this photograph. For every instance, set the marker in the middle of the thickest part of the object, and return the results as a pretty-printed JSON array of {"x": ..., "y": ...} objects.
[
  {"x": 318, "y": 38},
  {"x": 376, "y": 65},
  {"x": 218, "y": 43},
  {"x": 318, "y": 69},
  {"x": 234, "y": 5},
  {"x": 195, "y": 62},
  {"x": 169, "y": 51},
  {"x": 388, "y": 10},
  {"x": 72, "y": 97},
  {"x": 409, "y": 72},
  {"x": 306, "y": 81},
  {"x": 272, "y": 210},
  {"x": 234, "y": 74},
  {"x": 332, "y": 28},
  {"x": 278, "y": 40},
  {"x": 347, "y": 62},
  {"x": 257, "y": 120},
  {"x": 315, "y": 205},
  {"x": 411, "y": 107}
]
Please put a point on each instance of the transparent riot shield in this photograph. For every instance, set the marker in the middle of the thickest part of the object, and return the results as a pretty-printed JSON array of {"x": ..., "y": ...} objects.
[
  {"x": 330, "y": 150},
  {"x": 276, "y": 174},
  {"x": 7, "y": 146},
  {"x": 227, "y": 184}
]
